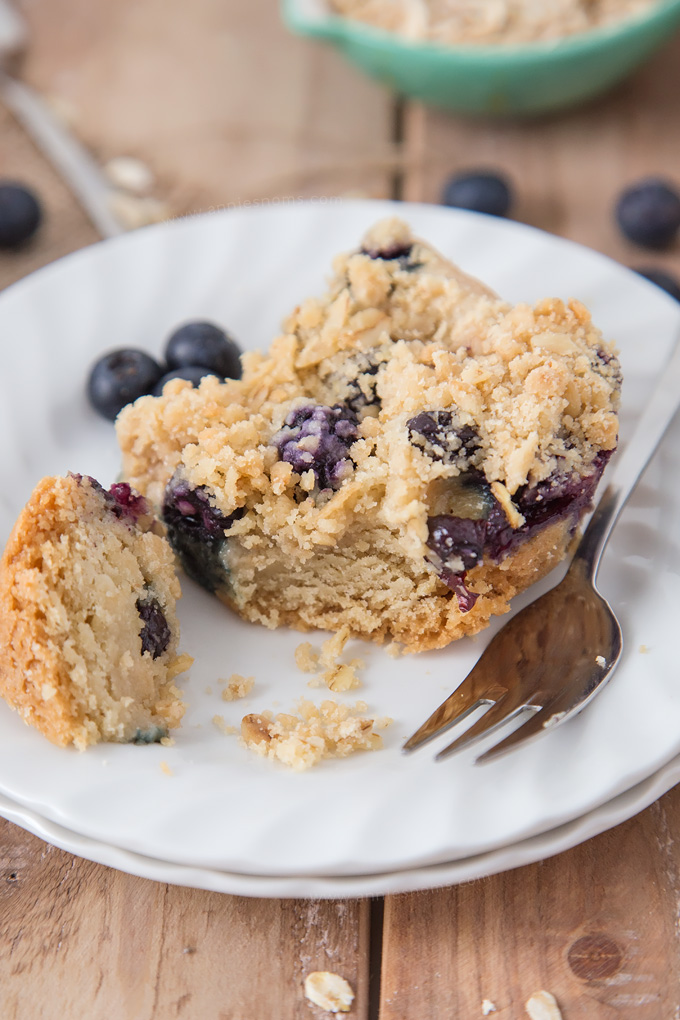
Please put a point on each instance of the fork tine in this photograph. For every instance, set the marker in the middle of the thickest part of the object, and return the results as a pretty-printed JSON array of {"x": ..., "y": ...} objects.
[
  {"x": 503, "y": 711},
  {"x": 561, "y": 707},
  {"x": 464, "y": 700}
]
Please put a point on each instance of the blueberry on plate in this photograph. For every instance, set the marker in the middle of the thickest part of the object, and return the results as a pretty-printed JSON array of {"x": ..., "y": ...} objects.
[
  {"x": 482, "y": 191},
  {"x": 119, "y": 378},
  {"x": 20, "y": 215},
  {"x": 648, "y": 213},
  {"x": 662, "y": 279},
  {"x": 203, "y": 343}
]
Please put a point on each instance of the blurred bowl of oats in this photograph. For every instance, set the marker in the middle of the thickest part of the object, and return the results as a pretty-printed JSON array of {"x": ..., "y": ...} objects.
[{"x": 516, "y": 57}]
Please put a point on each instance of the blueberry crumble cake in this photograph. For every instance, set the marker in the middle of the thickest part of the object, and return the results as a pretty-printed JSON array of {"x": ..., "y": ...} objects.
[
  {"x": 88, "y": 630},
  {"x": 410, "y": 453}
]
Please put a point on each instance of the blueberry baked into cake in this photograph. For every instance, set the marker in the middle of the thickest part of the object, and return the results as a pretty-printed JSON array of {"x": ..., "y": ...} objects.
[
  {"x": 88, "y": 631},
  {"x": 410, "y": 453}
]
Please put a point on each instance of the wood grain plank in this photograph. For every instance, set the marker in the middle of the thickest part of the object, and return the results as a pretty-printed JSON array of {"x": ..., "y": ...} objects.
[
  {"x": 220, "y": 101},
  {"x": 568, "y": 170},
  {"x": 596, "y": 926},
  {"x": 81, "y": 940}
]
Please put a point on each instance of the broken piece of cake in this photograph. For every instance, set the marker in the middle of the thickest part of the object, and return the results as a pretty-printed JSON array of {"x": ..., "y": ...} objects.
[
  {"x": 88, "y": 629},
  {"x": 410, "y": 454}
]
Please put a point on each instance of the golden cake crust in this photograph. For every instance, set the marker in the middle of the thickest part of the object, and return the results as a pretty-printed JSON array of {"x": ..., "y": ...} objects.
[{"x": 41, "y": 666}]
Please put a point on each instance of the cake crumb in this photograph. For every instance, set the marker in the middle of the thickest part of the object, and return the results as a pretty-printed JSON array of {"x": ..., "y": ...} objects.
[
  {"x": 543, "y": 1006},
  {"x": 167, "y": 742},
  {"x": 181, "y": 664},
  {"x": 337, "y": 676},
  {"x": 329, "y": 991},
  {"x": 333, "y": 648},
  {"x": 488, "y": 1007},
  {"x": 394, "y": 649},
  {"x": 643, "y": 649},
  {"x": 341, "y": 677},
  {"x": 166, "y": 769},
  {"x": 301, "y": 741},
  {"x": 237, "y": 686},
  {"x": 600, "y": 660},
  {"x": 223, "y": 726},
  {"x": 208, "y": 689},
  {"x": 306, "y": 659}
]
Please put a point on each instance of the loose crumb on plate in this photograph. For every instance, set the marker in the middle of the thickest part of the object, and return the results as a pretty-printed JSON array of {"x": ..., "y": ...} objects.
[
  {"x": 329, "y": 991},
  {"x": 643, "y": 649},
  {"x": 167, "y": 741},
  {"x": 223, "y": 726},
  {"x": 300, "y": 741},
  {"x": 337, "y": 676},
  {"x": 166, "y": 769},
  {"x": 237, "y": 686},
  {"x": 305, "y": 658},
  {"x": 543, "y": 1006}
]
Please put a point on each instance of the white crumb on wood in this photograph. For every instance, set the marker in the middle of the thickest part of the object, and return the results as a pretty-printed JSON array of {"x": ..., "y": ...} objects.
[
  {"x": 329, "y": 991},
  {"x": 543, "y": 1006},
  {"x": 488, "y": 1007},
  {"x": 129, "y": 174}
]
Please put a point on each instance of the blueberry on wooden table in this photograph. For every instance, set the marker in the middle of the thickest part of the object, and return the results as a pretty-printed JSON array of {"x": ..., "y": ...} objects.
[
  {"x": 481, "y": 191},
  {"x": 204, "y": 344},
  {"x": 119, "y": 378},
  {"x": 662, "y": 279},
  {"x": 194, "y": 373},
  {"x": 648, "y": 213},
  {"x": 20, "y": 215}
]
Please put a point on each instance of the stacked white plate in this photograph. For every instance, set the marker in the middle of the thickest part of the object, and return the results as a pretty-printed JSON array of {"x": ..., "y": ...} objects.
[{"x": 374, "y": 823}]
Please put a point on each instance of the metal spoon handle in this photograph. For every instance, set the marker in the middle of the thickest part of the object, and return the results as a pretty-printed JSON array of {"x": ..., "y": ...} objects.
[{"x": 650, "y": 430}]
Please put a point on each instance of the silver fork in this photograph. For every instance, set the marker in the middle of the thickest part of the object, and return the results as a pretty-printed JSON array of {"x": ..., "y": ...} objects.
[{"x": 554, "y": 656}]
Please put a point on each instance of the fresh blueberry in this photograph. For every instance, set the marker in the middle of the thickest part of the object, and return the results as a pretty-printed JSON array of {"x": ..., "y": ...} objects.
[
  {"x": 203, "y": 343},
  {"x": 648, "y": 213},
  {"x": 20, "y": 215},
  {"x": 127, "y": 504},
  {"x": 119, "y": 378},
  {"x": 155, "y": 633},
  {"x": 482, "y": 191},
  {"x": 318, "y": 438},
  {"x": 194, "y": 373},
  {"x": 664, "y": 280}
]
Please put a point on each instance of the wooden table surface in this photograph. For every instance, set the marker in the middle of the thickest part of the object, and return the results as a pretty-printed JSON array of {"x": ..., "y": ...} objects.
[{"x": 226, "y": 107}]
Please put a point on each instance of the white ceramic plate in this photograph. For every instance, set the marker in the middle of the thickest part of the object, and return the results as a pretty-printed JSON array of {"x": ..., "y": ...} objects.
[
  {"x": 536, "y": 848},
  {"x": 224, "y": 808}
]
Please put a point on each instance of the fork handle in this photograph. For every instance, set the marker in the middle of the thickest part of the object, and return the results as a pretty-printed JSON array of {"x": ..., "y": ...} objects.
[{"x": 651, "y": 428}]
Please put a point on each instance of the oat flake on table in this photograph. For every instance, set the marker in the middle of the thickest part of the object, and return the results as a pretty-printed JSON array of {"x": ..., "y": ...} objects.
[{"x": 489, "y": 21}]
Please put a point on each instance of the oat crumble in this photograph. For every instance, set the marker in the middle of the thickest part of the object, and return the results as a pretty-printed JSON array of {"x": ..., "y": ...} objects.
[
  {"x": 329, "y": 991},
  {"x": 301, "y": 741},
  {"x": 490, "y": 21}
]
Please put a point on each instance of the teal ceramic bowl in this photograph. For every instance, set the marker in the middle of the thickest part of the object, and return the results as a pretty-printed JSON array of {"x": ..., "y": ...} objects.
[{"x": 528, "y": 79}]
